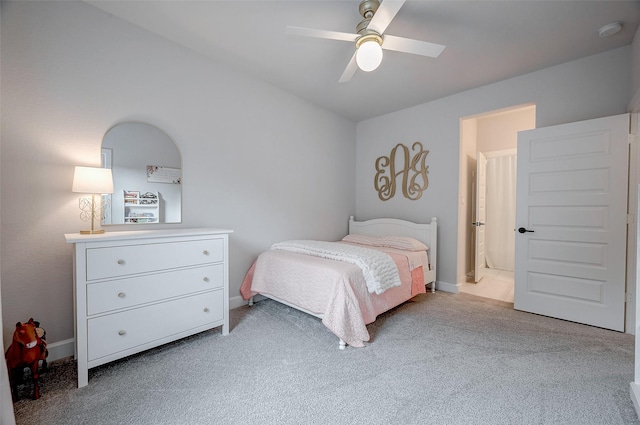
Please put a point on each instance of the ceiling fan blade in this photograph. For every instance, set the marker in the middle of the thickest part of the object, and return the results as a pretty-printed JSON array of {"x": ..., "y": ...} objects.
[
  {"x": 416, "y": 47},
  {"x": 384, "y": 15},
  {"x": 331, "y": 35},
  {"x": 351, "y": 69}
]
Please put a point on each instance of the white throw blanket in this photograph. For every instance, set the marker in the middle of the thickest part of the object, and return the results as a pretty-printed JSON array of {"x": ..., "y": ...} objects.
[{"x": 379, "y": 270}]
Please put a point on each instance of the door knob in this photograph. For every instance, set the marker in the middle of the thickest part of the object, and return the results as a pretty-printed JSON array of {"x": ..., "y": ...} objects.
[
  {"x": 523, "y": 230},
  {"x": 478, "y": 223}
]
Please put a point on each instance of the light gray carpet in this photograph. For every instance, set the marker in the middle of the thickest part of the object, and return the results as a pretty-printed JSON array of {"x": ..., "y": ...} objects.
[{"x": 440, "y": 359}]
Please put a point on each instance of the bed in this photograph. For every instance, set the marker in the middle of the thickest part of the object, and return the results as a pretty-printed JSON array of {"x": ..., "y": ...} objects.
[{"x": 333, "y": 284}]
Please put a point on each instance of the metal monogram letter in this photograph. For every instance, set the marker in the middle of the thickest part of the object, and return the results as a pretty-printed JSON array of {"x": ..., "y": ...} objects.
[{"x": 412, "y": 186}]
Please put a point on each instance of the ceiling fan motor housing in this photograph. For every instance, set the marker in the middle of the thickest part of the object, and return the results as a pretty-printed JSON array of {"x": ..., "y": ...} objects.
[
  {"x": 362, "y": 26},
  {"x": 368, "y": 7}
]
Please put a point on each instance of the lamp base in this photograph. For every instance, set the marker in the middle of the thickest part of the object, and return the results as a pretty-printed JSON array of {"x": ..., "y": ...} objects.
[{"x": 92, "y": 232}]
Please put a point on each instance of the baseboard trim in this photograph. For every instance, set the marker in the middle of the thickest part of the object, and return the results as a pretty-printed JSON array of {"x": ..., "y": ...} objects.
[
  {"x": 635, "y": 397},
  {"x": 237, "y": 301},
  {"x": 61, "y": 349},
  {"x": 447, "y": 287}
]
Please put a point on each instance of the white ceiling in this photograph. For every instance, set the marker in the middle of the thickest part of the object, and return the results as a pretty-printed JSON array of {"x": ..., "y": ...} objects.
[{"x": 486, "y": 41}]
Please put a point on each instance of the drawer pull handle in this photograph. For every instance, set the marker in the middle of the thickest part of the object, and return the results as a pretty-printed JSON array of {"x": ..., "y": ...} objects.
[
  {"x": 122, "y": 333},
  {"x": 205, "y": 252},
  {"x": 121, "y": 262},
  {"x": 206, "y": 279},
  {"x": 122, "y": 295},
  {"x": 206, "y": 309}
]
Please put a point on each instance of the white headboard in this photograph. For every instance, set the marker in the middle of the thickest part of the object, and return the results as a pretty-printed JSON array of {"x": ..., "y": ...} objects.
[{"x": 425, "y": 233}]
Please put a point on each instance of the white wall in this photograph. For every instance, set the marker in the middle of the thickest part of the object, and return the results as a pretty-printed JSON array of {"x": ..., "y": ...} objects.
[
  {"x": 255, "y": 159},
  {"x": 588, "y": 88}
]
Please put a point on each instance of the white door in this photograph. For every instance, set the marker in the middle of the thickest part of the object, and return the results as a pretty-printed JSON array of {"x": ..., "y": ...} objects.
[
  {"x": 571, "y": 211},
  {"x": 480, "y": 216}
]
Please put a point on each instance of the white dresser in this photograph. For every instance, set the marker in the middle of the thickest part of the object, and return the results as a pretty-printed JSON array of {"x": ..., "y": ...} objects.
[{"x": 136, "y": 290}]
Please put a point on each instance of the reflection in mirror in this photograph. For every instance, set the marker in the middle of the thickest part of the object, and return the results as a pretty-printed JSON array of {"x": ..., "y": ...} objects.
[{"x": 147, "y": 168}]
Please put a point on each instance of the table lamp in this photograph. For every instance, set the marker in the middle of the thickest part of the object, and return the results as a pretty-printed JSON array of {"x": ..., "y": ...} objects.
[{"x": 95, "y": 181}]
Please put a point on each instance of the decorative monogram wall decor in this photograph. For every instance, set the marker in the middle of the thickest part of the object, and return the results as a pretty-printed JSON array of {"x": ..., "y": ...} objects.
[{"x": 413, "y": 171}]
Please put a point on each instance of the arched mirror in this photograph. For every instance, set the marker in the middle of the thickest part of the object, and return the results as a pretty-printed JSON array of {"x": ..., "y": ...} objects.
[{"x": 147, "y": 175}]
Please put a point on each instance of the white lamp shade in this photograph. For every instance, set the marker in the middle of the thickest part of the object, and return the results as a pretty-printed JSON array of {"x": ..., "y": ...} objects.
[
  {"x": 369, "y": 55},
  {"x": 92, "y": 180}
]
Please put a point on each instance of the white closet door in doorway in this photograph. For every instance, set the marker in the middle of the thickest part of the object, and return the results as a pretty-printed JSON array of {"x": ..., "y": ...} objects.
[{"x": 501, "y": 209}]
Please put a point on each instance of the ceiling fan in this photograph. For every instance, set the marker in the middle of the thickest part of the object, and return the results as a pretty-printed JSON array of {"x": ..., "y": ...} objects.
[{"x": 370, "y": 38}]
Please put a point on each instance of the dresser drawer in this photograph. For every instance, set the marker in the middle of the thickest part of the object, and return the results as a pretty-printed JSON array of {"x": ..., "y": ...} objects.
[
  {"x": 125, "y": 260},
  {"x": 128, "y": 329},
  {"x": 127, "y": 292}
]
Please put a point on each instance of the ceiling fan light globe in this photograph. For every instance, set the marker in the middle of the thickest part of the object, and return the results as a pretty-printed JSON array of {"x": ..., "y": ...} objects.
[{"x": 369, "y": 55}]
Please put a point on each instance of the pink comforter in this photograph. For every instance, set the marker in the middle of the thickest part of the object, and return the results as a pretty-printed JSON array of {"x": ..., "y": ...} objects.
[{"x": 333, "y": 289}]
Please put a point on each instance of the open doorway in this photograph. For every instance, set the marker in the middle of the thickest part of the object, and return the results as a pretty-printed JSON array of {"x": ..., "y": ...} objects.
[{"x": 488, "y": 147}]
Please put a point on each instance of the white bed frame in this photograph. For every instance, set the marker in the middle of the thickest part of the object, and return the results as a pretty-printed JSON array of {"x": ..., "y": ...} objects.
[{"x": 425, "y": 233}]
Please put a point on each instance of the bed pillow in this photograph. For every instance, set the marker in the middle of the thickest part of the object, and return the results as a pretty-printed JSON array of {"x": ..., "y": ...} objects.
[
  {"x": 363, "y": 240},
  {"x": 404, "y": 242},
  {"x": 398, "y": 242}
]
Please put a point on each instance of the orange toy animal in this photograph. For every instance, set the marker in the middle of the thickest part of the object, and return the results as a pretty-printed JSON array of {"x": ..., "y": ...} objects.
[{"x": 26, "y": 350}]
